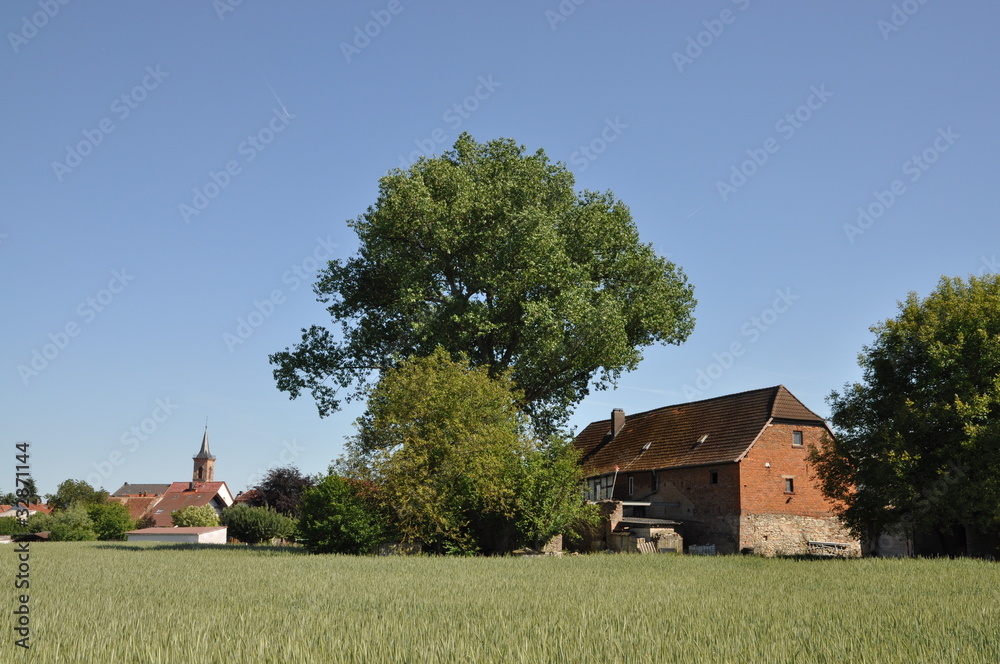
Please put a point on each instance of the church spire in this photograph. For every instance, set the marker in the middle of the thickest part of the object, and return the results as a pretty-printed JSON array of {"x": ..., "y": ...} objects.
[{"x": 204, "y": 461}]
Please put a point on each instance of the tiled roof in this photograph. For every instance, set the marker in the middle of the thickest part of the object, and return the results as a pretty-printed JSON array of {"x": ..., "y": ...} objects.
[
  {"x": 138, "y": 506},
  {"x": 178, "y": 487},
  {"x": 136, "y": 489},
  {"x": 718, "y": 430},
  {"x": 247, "y": 496},
  {"x": 178, "y": 501}
]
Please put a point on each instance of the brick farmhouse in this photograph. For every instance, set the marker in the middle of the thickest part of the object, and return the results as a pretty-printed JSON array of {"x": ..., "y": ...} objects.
[{"x": 733, "y": 470}]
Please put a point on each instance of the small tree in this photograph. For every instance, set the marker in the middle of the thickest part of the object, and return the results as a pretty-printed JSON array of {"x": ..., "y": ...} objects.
[
  {"x": 445, "y": 443},
  {"x": 39, "y": 522},
  {"x": 253, "y": 525},
  {"x": 195, "y": 517},
  {"x": 72, "y": 525},
  {"x": 281, "y": 489},
  {"x": 111, "y": 521},
  {"x": 336, "y": 518},
  {"x": 550, "y": 495}
]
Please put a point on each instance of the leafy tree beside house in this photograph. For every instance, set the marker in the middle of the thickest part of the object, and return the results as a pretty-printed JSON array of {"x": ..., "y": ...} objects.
[
  {"x": 918, "y": 440},
  {"x": 281, "y": 489},
  {"x": 491, "y": 253},
  {"x": 195, "y": 517},
  {"x": 253, "y": 525},
  {"x": 455, "y": 464},
  {"x": 110, "y": 521}
]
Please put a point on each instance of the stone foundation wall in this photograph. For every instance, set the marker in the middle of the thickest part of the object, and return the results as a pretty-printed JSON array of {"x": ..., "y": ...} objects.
[{"x": 788, "y": 535}]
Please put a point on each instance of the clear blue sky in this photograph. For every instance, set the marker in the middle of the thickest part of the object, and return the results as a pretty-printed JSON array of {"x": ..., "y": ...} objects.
[{"x": 115, "y": 113}]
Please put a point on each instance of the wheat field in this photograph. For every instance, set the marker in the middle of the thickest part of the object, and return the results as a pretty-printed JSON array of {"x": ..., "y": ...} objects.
[{"x": 149, "y": 603}]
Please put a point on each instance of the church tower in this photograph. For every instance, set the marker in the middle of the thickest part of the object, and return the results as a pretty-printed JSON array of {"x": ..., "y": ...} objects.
[{"x": 204, "y": 462}]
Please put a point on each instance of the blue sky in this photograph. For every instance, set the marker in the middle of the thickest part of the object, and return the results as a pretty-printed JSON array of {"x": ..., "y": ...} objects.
[{"x": 172, "y": 168}]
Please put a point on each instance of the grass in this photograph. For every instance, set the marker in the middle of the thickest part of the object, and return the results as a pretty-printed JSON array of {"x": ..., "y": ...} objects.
[{"x": 103, "y": 602}]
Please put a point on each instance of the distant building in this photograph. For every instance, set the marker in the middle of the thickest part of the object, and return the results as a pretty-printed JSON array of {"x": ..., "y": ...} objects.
[
  {"x": 733, "y": 471},
  {"x": 159, "y": 501},
  {"x": 211, "y": 535}
]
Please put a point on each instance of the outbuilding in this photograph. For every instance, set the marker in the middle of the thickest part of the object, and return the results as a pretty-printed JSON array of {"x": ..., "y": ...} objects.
[{"x": 204, "y": 535}]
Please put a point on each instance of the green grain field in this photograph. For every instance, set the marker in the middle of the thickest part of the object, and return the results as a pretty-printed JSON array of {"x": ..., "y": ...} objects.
[{"x": 104, "y": 602}]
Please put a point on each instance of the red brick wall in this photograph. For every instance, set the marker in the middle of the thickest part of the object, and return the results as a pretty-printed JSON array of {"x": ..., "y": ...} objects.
[{"x": 763, "y": 489}]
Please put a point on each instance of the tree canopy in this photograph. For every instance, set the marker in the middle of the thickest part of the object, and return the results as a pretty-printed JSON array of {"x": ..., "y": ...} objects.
[
  {"x": 338, "y": 516},
  {"x": 918, "y": 441},
  {"x": 76, "y": 491},
  {"x": 281, "y": 489},
  {"x": 253, "y": 525},
  {"x": 490, "y": 252}
]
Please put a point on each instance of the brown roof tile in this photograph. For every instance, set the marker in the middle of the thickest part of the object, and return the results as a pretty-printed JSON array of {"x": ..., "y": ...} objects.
[
  {"x": 178, "y": 501},
  {"x": 711, "y": 431}
]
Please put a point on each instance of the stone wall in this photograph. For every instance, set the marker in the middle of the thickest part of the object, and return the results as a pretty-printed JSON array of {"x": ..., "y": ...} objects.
[{"x": 789, "y": 534}]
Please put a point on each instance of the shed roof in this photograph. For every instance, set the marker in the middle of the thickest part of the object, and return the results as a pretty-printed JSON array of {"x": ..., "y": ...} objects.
[
  {"x": 200, "y": 530},
  {"x": 711, "y": 431}
]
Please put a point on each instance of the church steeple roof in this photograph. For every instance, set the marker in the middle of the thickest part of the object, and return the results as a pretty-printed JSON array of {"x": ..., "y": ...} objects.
[{"x": 204, "y": 452}]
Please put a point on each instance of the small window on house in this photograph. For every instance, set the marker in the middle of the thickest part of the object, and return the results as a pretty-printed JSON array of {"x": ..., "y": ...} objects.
[
  {"x": 789, "y": 485},
  {"x": 631, "y": 485},
  {"x": 713, "y": 477},
  {"x": 796, "y": 439}
]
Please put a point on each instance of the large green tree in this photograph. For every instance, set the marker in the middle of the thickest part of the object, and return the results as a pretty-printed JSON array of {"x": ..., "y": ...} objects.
[
  {"x": 253, "y": 525},
  {"x": 490, "y": 252},
  {"x": 76, "y": 491},
  {"x": 454, "y": 462},
  {"x": 918, "y": 440}
]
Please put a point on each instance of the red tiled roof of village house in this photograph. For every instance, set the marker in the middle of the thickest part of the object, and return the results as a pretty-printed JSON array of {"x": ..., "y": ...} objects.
[
  {"x": 730, "y": 424},
  {"x": 178, "y": 501},
  {"x": 137, "y": 506},
  {"x": 246, "y": 496},
  {"x": 179, "y": 487},
  {"x": 34, "y": 507}
]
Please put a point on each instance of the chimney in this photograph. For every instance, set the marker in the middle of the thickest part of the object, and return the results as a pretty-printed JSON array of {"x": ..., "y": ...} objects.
[
  {"x": 617, "y": 421},
  {"x": 191, "y": 486}
]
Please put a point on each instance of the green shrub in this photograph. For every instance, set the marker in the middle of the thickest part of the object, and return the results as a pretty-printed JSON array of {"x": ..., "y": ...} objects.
[
  {"x": 111, "y": 521},
  {"x": 252, "y": 525},
  {"x": 195, "y": 517},
  {"x": 72, "y": 524},
  {"x": 337, "y": 519}
]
